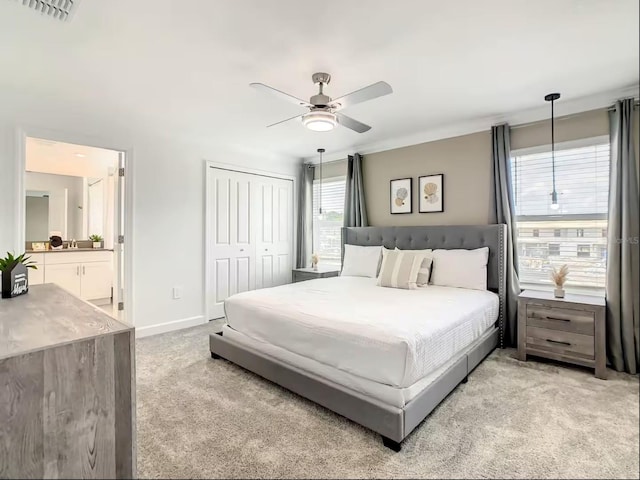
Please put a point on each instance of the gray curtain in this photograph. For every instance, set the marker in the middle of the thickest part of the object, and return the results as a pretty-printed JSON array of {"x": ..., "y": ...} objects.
[
  {"x": 623, "y": 260},
  {"x": 355, "y": 210},
  {"x": 505, "y": 213},
  {"x": 304, "y": 245}
]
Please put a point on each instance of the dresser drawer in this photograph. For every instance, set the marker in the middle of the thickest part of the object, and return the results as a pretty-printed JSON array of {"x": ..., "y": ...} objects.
[
  {"x": 562, "y": 342},
  {"x": 564, "y": 319}
]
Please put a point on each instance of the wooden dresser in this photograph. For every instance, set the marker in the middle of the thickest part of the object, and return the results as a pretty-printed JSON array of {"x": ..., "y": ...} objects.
[
  {"x": 570, "y": 329},
  {"x": 67, "y": 389}
]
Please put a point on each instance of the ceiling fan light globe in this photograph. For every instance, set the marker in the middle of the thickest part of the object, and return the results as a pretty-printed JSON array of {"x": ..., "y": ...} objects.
[{"x": 319, "y": 121}]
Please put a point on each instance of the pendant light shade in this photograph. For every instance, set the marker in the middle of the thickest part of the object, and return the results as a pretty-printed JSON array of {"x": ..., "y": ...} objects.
[{"x": 552, "y": 97}]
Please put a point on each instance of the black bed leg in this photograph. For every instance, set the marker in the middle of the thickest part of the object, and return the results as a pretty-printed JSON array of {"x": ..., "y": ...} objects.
[
  {"x": 392, "y": 444},
  {"x": 465, "y": 379},
  {"x": 214, "y": 356}
]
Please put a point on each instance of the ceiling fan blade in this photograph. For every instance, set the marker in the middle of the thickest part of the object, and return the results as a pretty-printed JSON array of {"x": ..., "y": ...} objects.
[
  {"x": 352, "y": 124},
  {"x": 282, "y": 121},
  {"x": 367, "y": 93},
  {"x": 285, "y": 96}
]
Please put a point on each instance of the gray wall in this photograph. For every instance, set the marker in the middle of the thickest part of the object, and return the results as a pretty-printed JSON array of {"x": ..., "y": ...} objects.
[
  {"x": 337, "y": 168},
  {"x": 465, "y": 162}
]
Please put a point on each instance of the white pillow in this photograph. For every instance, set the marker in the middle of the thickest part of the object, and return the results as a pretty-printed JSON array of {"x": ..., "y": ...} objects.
[
  {"x": 425, "y": 268},
  {"x": 460, "y": 268},
  {"x": 360, "y": 261}
]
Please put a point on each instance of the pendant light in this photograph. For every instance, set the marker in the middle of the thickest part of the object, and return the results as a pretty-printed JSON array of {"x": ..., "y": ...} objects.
[
  {"x": 552, "y": 97},
  {"x": 320, "y": 151}
]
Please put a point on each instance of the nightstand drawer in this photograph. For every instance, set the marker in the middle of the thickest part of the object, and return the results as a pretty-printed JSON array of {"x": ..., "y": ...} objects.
[
  {"x": 567, "y": 320},
  {"x": 301, "y": 276},
  {"x": 558, "y": 341}
]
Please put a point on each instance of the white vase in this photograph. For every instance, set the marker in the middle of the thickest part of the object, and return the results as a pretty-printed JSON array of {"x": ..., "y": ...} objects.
[
  {"x": 558, "y": 292},
  {"x": 97, "y": 244}
]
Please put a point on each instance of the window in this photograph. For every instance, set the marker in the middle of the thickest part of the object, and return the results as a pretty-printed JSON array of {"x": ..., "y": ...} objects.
[
  {"x": 327, "y": 227},
  {"x": 582, "y": 183},
  {"x": 584, "y": 251}
]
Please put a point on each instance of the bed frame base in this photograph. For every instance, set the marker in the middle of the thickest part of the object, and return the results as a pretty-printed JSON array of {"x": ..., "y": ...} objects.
[
  {"x": 393, "y": 423},
  {"x": 392, "y": 444}
]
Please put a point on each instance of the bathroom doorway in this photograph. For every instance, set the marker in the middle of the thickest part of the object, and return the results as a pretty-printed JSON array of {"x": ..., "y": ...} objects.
[{"x": 74, "y": 214}]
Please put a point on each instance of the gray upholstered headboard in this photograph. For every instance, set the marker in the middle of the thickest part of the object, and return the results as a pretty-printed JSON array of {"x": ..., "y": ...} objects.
[{"x": 447, "y": 237}]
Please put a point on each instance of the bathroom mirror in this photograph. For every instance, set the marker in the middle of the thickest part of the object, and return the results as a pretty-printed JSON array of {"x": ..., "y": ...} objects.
[{"x": 69, "y": 206}]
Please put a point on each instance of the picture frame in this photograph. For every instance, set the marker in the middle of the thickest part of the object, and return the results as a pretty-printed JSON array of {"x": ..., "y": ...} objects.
[
  {"x": 431, "y": 193},
  {"x": 38, "y": 246},
  {"x": 401, "y": 196}
]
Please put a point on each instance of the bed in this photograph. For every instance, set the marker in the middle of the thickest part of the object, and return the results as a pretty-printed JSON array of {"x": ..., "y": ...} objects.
[{"x": 365, "y": 351}]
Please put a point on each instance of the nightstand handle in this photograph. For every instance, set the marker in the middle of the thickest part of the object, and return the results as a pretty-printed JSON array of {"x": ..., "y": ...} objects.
[
  {"x": 559, "y": 343},
  {"x": 559, "y": 319}
]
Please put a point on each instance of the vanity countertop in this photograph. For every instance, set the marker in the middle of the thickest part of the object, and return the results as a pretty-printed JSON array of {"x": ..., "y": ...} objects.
[{"x": 72, "y": 250}]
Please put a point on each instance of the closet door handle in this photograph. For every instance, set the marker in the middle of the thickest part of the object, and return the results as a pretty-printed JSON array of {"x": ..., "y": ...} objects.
[
  {"x": 78, "y": 270},
  {"x": 83, "y": 272}
]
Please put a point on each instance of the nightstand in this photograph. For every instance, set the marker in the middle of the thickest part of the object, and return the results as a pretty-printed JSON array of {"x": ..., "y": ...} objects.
[
  {"x": 570, "y": 329},
  {"x": 302, "y": 274}
]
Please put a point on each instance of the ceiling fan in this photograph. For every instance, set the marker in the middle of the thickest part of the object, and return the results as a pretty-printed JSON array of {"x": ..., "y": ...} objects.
[{"x": 324, "y": 112}]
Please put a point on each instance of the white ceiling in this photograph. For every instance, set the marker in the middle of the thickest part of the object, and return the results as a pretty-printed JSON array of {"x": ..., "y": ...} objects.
[
  {"x": 185, "y": 65},
  {"x": 60, "y": 158}
]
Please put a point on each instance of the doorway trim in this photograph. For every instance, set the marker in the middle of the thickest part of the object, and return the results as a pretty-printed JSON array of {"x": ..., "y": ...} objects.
[
  {"x": 21, "y": 134},
  {"x": 207, "y": 224}
]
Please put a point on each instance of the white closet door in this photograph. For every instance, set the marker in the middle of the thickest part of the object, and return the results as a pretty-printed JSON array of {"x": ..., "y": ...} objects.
[
  {"x": 274, "y": 231},
  {"x": 231, "y": 236}
]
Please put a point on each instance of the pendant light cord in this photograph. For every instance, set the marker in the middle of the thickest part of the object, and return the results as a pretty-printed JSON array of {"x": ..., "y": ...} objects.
[
  {"x": 320, "y": 151},
  {"x": 553, "y": 148}
]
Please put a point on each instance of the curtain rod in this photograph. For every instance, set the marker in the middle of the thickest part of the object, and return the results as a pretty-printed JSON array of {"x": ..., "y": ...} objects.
[
  {"x": 613, "y": 107},
  {"x": 564, "y": 117},
  {"x": 328, "y": 163}
]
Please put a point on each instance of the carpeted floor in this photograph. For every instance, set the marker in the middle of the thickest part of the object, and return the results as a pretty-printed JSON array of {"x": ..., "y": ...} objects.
[{"x": 204, "y": 418}]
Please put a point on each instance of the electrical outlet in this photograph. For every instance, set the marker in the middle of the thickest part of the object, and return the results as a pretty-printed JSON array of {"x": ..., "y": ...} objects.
[{"x": 177, "y": 293}]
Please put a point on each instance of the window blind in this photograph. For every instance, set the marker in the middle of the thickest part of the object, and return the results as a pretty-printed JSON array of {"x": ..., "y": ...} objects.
[
  {"x": 576, "y": 233},
  {"x": 327, "y": 226}
]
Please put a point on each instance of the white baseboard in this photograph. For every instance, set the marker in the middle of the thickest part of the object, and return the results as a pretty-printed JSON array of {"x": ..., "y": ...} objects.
[{"x": 169, "y": 326}]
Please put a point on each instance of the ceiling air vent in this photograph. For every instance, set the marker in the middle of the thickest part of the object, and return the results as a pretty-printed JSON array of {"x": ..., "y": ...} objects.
[{"x": 58, "y": 9}]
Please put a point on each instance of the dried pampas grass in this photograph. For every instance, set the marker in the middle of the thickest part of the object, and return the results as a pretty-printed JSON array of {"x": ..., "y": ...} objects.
[{"x": 559, "y": 276}]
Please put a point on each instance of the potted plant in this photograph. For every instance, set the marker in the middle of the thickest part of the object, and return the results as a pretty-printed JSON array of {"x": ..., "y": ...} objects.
[
  {"x": 97, "y": 240},
  {"x": 15, "y": 279},
  {"x": 559, "y": 278}
]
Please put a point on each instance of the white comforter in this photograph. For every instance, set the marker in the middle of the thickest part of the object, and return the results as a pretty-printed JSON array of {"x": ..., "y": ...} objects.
[{"x": 387, "y": 335}]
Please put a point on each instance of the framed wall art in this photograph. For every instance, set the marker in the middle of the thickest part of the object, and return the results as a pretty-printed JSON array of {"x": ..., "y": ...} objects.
[
  {"x": 431, "y": 193},
  {"x": 401, "y": 196}
]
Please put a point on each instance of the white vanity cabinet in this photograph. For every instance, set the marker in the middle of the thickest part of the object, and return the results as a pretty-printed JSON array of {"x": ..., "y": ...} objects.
[
  {"x": 86, "y": 274},
  {"x": 36, "y": 275},
  {"x": 65, "y": 275}
]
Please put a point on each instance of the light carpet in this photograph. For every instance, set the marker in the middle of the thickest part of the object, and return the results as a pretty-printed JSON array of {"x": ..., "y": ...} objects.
[{"x": 205, "y": 418}]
